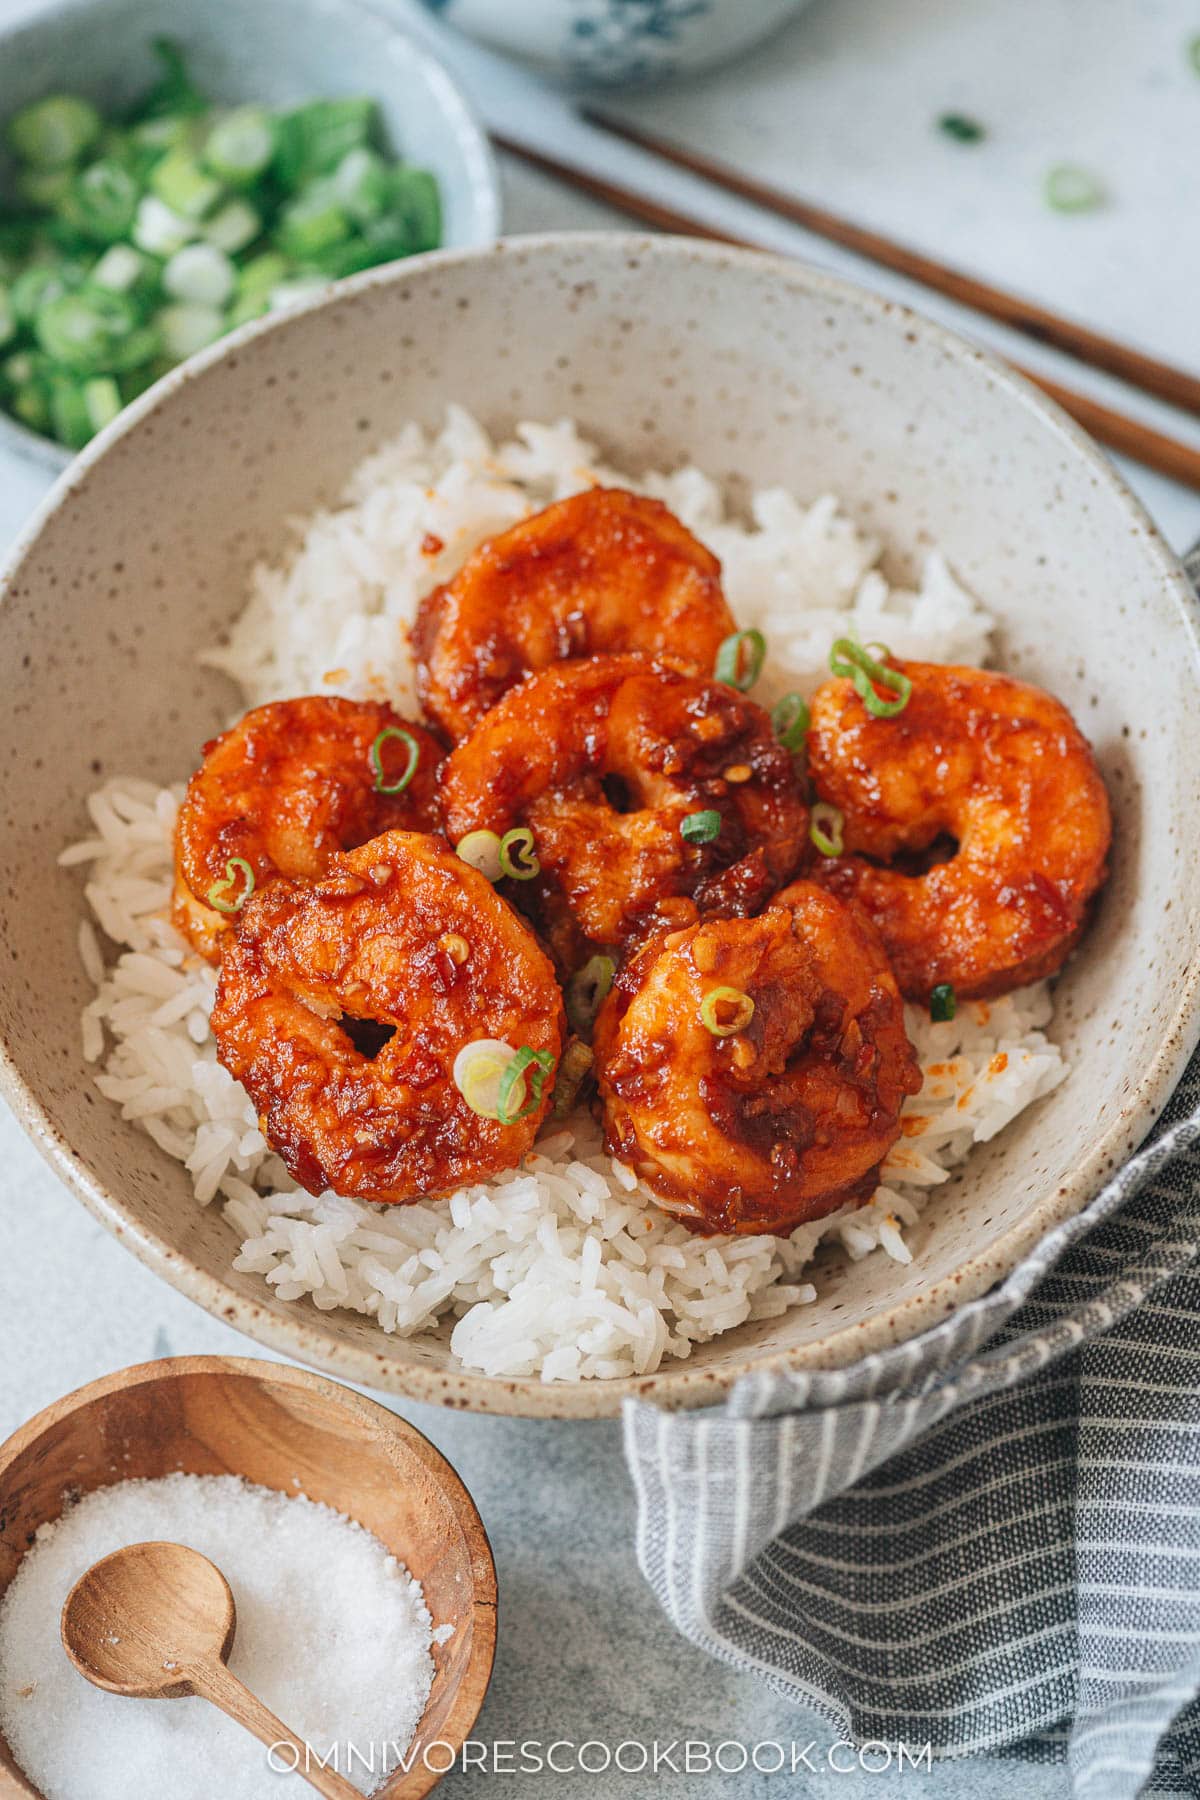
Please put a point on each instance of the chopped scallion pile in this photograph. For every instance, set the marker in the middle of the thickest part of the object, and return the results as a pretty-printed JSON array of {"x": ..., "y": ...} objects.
[{"x": 131, "y": 242}]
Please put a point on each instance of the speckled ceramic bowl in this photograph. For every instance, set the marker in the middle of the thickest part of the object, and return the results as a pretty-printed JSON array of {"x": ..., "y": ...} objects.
[
  {"x": 277, "y": 52},
  {"x": 763, "y": 372}
]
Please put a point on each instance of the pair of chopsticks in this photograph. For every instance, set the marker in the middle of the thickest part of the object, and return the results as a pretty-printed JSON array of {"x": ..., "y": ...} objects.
[{"x": 1168, "y": 455}]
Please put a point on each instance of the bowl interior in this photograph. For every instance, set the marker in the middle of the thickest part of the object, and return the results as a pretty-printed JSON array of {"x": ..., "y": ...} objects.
[
  {"x": 277, "y": 1427},
  {"x": 282, "y": 51},
  {"x": 764, "y": 374}
]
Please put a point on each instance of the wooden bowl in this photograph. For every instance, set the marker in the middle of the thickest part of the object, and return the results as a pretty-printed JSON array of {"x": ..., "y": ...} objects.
[{"x": 220, "y": 1415}]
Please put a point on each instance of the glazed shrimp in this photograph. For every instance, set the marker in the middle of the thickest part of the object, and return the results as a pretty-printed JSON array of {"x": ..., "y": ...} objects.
[
  {"x": 752, "y": 1071},
  {"x": 289, "y": 785},
  {"x": 603, "y": 571},
  {"x": 638, "y": 782},
  {"x": 405, "y": 934},
  {"x": 997, "y": 773}
]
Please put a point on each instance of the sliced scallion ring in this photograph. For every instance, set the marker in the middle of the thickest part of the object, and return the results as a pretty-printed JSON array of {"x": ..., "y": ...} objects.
[
  {"x": 701, "y": 827},
  {"x": 531, "y": 1067},
  {"x": 825, "y": 828},
  {"x": 517, "y": 857},
  {"x": 855, "y": 664},
  {"x": 715, "y": 1013},
  {"x": 482, "y": 850},
  {"x": 414, "y": 756},
  {"x": 943, "y": 1002},
  {"x": 789, "y": 717},
  {"x": 740, "y": 659},
  {"x": 218, "y": 894},
  {"x": 1069, "y": 189},
  {"x": 478, "y": 1070},
  {"x": 586, "y": 991}
]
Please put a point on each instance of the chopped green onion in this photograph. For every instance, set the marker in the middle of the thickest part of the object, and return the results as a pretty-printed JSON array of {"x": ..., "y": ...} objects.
[
  {"x": 102, "y": 401},
  {"x": 414, "y": 756},
  {"x": 101, "y": 203},
  {"x": 943, "y": 1003},
  {"x": 159, "y": 230},
  {"x": 740, "y": 659},
  {"x": 518, "y": 859},
  {"x": 55, "y": 131},
  {"x": 232, "y": 226},
  {"x": 311, "y": 223},
  {"x": 34, "y": 288},
  {"x": 825, "y": 828},
  {"x": 586, "y": 990},
  {"x": 84, "y": 331},
  {"x": 851, "y": 661},
  {"x": 963, "y": 129},
  {"x": 572, "y": 1073},
  {"x": 314, "y": 139},
  {"x": 481, "y": 849},
  {"x": 174, "y": 92},
  {"x": 714, "y": 1018},
  {"x": 532, "y": 1068},
  {"x": 1069, "y": 189},
  {"x": 240, "y": 146},
  {"x": 363, "y": 184},
  {"x": 201, "y": 274},
  {"x": 216, "y": 895},
  {"x": 180, "y": 183},
  {"x": 44, "y": 188},
  {"x": 121, "y": 268},
  {"x": 186, "y": 327},
  {"x": 1192, "y": 50},
  {"x": 417, "y": 201},
  {"x": 295, "y": 293},
  {"x": 701, "y": 827},
  {"x": 69, "y": 413},
  {"x": 789, "y": 717}
]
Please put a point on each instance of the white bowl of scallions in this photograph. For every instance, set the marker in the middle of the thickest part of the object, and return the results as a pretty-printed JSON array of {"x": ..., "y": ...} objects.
[{"x": 170, "y": 169}]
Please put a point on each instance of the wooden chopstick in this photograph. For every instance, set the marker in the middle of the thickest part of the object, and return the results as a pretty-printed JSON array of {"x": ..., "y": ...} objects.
[
  {"x": 1175, "y": 386},
  {"x": 1153, "y": 449}
]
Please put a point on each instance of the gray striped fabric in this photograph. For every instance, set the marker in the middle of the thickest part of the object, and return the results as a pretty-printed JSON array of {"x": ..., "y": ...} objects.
[{"x": 989, "y": 1537}]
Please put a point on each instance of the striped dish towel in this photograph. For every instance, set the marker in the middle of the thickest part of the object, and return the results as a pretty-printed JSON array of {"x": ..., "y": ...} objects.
[{"x": 986, "y": 1538}]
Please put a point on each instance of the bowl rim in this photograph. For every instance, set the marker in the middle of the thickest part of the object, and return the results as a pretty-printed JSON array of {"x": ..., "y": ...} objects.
[
  {"x": 463, "y": 123},
  {"x": 476, "y": 1675},
  {"x": 305, "y": 1333}
]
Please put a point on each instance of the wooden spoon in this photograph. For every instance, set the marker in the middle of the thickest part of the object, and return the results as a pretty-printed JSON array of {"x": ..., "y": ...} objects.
[{"x": 156, "y": 1621}]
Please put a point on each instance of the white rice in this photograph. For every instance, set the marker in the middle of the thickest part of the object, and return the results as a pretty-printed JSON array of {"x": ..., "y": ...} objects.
[{"x": 563, "y": 1268}]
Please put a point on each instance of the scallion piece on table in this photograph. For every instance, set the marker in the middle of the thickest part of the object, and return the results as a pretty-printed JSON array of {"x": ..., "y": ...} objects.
[
  {"x": 960, "y": 127},
  {"x": 1069, "y": 189},
  {"x": 54, "y": 132}
]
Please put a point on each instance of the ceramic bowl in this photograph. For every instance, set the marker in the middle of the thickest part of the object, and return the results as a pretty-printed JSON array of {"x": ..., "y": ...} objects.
[
  {"x": 275, "y": 51},
  {"x": 610, "y": 43},
  {"x": 765, "y": 373},
  {"x": 285, "y": 1429}
]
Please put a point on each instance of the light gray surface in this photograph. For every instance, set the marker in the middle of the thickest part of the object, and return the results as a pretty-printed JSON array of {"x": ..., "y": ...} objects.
[{"x": 584, "y": 1651}]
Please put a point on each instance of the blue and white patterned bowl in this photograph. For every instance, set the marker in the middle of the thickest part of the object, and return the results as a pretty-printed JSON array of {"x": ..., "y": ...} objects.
[{"x": 618, "y": 43}]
